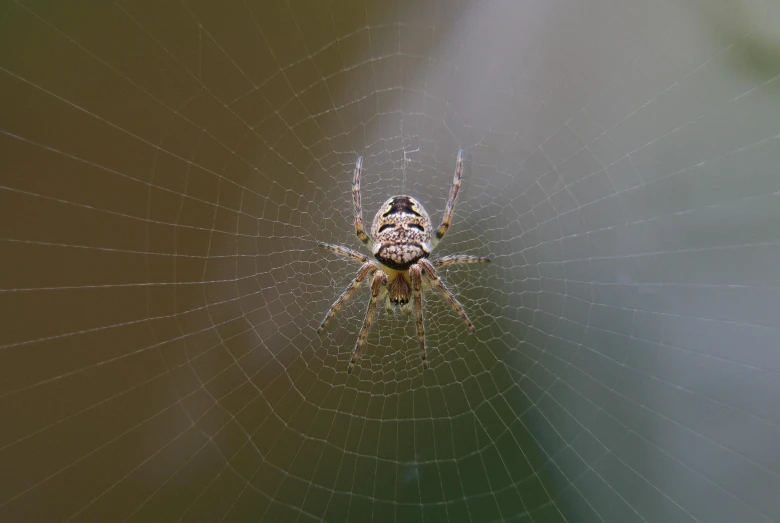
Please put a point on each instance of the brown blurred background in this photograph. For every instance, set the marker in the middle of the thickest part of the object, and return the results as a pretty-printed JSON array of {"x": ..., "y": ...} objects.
[{"x": 169, "y": 166}]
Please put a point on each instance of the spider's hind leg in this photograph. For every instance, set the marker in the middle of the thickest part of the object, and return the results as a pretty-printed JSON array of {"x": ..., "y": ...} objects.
[
  {"x": 376, "y": 286},
  {"x": 433, "y": 277},
  {"x": 364, "y": 271},
  {"x": 415, "y": 273}
]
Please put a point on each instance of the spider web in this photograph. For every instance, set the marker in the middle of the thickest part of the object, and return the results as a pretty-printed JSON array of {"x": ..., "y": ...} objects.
[{"x": 168, "y": 168}]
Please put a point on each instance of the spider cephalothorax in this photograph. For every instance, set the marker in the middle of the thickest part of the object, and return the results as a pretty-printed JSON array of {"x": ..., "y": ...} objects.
[{"x": 401, "y": 241}]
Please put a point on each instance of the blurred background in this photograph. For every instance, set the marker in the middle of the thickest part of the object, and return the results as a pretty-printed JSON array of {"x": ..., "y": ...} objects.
[{"x": 168, "y": 168}]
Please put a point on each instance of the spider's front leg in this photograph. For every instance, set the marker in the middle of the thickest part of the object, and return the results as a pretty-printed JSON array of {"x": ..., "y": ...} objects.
[
  {"x": 446, "y": 220},
  {"x": 376, "y": 286},
  {"x": 359, "y": 230}
]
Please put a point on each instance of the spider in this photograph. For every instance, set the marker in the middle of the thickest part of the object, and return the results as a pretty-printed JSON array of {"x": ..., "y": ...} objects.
[{"x": 401, "y": 241}]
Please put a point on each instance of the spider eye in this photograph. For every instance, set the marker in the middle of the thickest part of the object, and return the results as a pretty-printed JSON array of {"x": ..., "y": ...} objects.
[
  {"x": 418, "y": 227},
  {"x": 386, "y": 226}
]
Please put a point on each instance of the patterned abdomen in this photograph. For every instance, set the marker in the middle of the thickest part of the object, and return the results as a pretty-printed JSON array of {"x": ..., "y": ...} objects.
[{"x": 401, "y": 232}]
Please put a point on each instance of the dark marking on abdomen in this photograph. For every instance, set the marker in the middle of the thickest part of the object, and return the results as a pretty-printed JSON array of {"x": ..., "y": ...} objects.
[{"x": 401, "y": 204}]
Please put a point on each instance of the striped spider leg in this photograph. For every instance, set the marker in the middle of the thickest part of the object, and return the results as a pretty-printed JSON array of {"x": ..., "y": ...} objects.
[
  {"x": 367, "y": 268},
  {"x": 425, "y": 268},
  {"x": 359, "y": 230},
  {"x": 343, "y": 251},
  {"x": 436, "y": 282},
  {"x": 459, "y": 258},
  {"x": 415, "y": 273},
  {"x": 446, "y": 219},
  {"x": 376, "y": 285}
]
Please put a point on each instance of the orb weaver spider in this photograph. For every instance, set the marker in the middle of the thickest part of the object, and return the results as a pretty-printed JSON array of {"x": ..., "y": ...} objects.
[{"x": 401, "y": 241}]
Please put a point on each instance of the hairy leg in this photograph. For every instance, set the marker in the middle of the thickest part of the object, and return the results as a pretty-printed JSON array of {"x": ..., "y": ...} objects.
[
  {"x": 459, "y": 258},
  {"x": 376, "y": 286},
  {"x": 359, "y": 230},
  {"x": 364, "y": 271},
  {"x": 446, "y": 220},
  {"x": 343, "y": 251},
  {"x": 433, "y": 276},
  {"x": 415, "y": 274}
]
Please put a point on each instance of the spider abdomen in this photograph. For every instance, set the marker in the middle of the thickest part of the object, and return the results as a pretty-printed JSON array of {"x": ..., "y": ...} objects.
[{"x": 401, "y": 232}]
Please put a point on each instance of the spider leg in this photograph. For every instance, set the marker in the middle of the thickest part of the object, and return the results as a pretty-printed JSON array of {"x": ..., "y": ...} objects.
[
  {"x": 436, "y": 282},
  {"x": 359, "y": 230},
  {"x": 459, "y": 258},
  {"x": 364, "y": 271},
  {"x": 343, "y": 251},
  {"x": 376, "y": 286},
  {"x": 447, "y": 218},
  {"x": 415, "y": 274}
]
